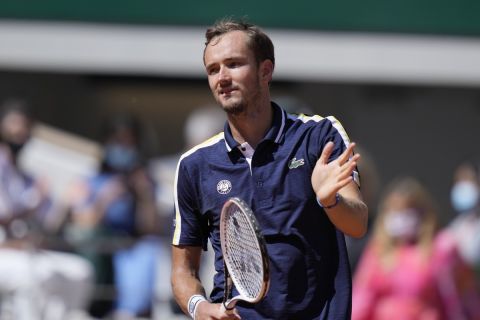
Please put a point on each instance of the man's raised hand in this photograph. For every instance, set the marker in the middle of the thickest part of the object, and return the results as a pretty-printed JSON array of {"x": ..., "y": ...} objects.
[{"x": 328, "y": 178}]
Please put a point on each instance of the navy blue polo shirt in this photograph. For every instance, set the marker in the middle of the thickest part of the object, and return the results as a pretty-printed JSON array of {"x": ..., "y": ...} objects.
[{"x": 310, "y": 273}]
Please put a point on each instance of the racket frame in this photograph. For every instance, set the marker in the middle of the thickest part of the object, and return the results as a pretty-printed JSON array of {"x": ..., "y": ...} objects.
[{"x": 229, "y": 304}]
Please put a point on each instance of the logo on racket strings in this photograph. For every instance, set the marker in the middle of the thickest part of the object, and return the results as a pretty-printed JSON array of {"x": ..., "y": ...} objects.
[{"x": 224, "y": 186}]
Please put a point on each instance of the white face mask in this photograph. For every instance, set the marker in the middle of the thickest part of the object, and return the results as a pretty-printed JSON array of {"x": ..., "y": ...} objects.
[
  {"x": 464, "y": 196},
  {"x": 403, "y": 224}
]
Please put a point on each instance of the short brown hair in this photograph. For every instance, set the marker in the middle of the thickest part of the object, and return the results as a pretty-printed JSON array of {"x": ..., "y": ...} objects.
[{"x": 259, "y": 43}]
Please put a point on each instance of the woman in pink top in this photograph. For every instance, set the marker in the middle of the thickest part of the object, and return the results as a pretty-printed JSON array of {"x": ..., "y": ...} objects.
[{"x": 396, "y": 277}]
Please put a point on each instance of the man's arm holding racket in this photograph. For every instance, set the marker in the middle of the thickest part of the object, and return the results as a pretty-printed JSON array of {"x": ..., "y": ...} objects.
[
  {"x": 186, "y": 284},
  {"x": 338, "y": 193}
]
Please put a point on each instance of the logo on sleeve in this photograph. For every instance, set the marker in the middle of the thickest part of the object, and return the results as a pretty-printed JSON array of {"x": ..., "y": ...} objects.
[
  {"x": 294, "y": 163},
  {"x": 224, "y": 186}
]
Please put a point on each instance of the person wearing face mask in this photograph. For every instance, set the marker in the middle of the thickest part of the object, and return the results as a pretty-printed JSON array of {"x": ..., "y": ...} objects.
[
  {"x": 35, "y": 281},
  {"x": 15, "y": 128},
  {"x": 408, "y": 270},
  {"x": 395, "y": 278},
  {"x": 465, "y": 199},
  {"x": 460, "y": 240},
  {"x": 115, "y": 223},
  {"x": 465, "y": 191}
]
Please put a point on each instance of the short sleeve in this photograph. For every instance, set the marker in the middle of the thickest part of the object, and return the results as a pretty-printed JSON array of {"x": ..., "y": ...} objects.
[
  {"x": 189, "y": 225},
  {"x": 333, "y": 130}
]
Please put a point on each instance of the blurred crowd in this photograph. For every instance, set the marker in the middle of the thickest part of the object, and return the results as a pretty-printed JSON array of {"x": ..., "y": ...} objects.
[
  {"x": 408, "y": 266},
  {"x": 99, "y": 248}
]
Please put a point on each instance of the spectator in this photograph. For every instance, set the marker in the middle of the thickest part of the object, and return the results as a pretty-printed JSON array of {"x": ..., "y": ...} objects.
[
  {"x": 459, "y": 247},
  {"x": 396, "y": 277},
  {"x": 465, "y": 197},
  {"x": 114, "y": 223},
  {"x": 39, "y": 283}
]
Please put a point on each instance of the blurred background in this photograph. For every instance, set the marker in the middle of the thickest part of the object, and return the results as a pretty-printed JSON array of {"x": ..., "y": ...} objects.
[{"x": 402, "y": 77}]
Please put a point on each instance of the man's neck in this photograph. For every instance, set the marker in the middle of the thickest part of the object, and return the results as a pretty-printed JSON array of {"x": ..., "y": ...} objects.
[{"x": 253, "y": 125}]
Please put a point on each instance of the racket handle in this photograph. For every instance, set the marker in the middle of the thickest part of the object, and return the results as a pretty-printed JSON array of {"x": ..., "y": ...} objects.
[
  {"x": 225, "y": 310},
  {"x": 229, "y": 305}
]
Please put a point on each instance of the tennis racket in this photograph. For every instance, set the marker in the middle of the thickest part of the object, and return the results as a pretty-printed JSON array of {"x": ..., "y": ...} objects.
[{"x": 244, "y": 254}]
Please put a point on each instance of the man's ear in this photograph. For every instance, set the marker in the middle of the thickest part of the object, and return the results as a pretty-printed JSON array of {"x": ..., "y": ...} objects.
[{"x": 266, "y": 69}]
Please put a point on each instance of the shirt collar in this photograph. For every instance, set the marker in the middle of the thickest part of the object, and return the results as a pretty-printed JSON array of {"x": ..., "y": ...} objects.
[{"x": 275, "y": 133}]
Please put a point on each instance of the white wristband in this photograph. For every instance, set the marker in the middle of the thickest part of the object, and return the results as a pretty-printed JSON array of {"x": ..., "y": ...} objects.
[{"x": 193, "y": 302}]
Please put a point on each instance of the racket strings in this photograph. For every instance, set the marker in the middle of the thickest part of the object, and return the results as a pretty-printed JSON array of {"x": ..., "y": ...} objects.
[{"x": 243, "y": 255}]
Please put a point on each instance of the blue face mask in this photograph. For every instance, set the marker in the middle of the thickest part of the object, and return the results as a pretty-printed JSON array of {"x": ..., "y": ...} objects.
[
  {"x": 120, "y": 157},
  {"x": 464, "y": 196}
]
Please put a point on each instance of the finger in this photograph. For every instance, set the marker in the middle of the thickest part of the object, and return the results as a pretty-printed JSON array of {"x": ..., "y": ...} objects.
[
  {"x": 343, "y": 182},
  {"x": 236, "y": 315},
  {"x": 224, "y": 310},
  {"x": 346, "y": 154},
  {"x": 354, "y": 157},
  {"x": 326, "y": 152},
  {"x": 351, "y": 163},
  {"x": 229, "y": 314},
  {"x": 347, "y": 169},
  {"x": 343, "y": 176}
]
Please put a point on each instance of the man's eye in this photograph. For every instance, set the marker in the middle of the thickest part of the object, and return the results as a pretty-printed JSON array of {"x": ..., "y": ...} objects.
[{"x": 212, "y": 71}]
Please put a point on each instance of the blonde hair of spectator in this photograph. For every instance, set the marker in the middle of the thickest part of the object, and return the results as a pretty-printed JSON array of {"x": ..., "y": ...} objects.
[{"x": 416, "y": 196}]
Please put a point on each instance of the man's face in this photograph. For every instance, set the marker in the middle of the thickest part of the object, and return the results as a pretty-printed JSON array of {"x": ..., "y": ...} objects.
[{"x": 233, "y": 74}]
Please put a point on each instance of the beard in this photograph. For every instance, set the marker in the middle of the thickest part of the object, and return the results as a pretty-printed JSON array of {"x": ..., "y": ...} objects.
[
  {"x": 234, "y": 108},
  {"x": 240, "y": 104}
]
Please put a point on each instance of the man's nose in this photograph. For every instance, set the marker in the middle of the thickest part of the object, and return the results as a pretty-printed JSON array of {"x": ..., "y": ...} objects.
[{"x": 224, "y": 74}]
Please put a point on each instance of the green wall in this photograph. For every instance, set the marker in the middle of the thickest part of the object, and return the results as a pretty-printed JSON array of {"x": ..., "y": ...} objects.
[{"x": 461, "y": 17}]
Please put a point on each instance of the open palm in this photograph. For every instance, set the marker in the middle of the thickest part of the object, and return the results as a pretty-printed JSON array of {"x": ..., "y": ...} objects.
[{"x": 329, "y": 177}]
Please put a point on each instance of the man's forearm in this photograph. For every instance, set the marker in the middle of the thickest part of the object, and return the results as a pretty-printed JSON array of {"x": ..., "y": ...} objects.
[
  {"x": 350, "y": 216},
  {"x": 185, "y": 286},
  {"x": 185, "y": 277}
]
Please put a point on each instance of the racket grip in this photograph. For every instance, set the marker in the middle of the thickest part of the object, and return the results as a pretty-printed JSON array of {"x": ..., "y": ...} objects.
[
  {"x": 228, "y": 306},
  {"x": 225, "y": 310}
]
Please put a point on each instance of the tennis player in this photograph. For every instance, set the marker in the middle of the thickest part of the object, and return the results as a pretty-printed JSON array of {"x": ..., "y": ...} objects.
[{"x": 297, "y": 173}]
